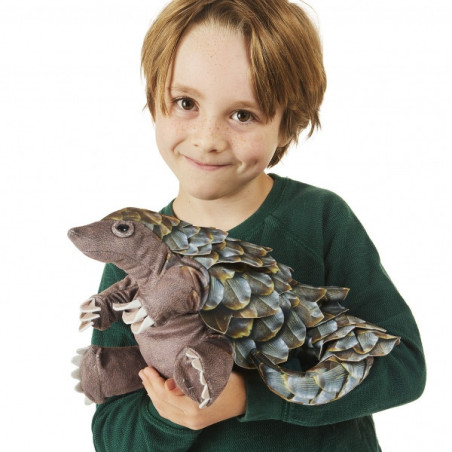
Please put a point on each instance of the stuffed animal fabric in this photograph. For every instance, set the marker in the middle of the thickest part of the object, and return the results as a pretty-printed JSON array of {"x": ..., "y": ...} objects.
[{"x": 199, "y": 302}]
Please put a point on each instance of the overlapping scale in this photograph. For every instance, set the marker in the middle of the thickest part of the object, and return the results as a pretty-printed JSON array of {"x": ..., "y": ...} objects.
[
  {"x": 256, "y": 250},
  {"x": 177, "y": 241},
  {"x": 267, "y": 328},
  {"x": 366, "y": 340},
  {"x": 275, "y": 350},
  {"x": 260, "y": 283},
  {"x": 237, "y": 293},
  {"x": 239, "y": 327},
  {"x": 309, "y": 312},
  {"x": 242, "y": 351},
  {"x": 281, "y": 278},
  {"x": 218, "y": 319},
  {"x": 258, "y": 307},
  {"x": 215, "y": 296},
  {"x": 208, "y": 261},
  {"x": 293, "y": 332}
]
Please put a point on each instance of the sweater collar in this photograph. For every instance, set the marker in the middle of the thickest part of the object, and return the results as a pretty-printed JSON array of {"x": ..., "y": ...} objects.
[{"x": 255, "y": 220}]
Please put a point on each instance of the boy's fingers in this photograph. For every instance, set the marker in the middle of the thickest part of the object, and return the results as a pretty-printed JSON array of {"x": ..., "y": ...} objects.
[
  {"x": 170, "y": 385},
  {"x": 150, "y": 372},
  {"x": 153, "y": 382},
  {"x": 150, "y": 377}
]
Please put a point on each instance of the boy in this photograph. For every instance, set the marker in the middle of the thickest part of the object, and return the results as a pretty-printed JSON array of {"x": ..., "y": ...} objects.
[{"x": 230, "y": 84}]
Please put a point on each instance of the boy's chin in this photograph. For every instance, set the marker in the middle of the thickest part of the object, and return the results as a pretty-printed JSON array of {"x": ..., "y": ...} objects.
[
  {"x": 208, "y": 194},
  {"x": 218, "y": 189}
]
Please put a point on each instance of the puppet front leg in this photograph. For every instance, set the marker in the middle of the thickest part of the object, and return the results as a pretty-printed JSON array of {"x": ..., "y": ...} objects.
[
  {"x": 98, "y": 310},
  {"x": 202, "y": 371},
  {"x": 177, "y": 292}
]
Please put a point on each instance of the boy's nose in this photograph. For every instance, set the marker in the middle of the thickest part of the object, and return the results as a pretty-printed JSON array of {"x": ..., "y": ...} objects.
[{"x": 208, "y": 135}]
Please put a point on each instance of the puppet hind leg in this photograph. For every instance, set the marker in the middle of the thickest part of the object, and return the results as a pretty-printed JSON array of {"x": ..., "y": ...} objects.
[
  {"x": 108, "y": 371},
  {"x": 202, "y": 371}
]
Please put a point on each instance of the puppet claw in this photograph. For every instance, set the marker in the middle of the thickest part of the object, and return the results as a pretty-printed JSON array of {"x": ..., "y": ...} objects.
[
  {"x": 77, "y": 360},
  {"x": 139, "y": 327},
  {"x": 134, "y": 316},
  {"x": 88, "y": 311},
  {"x": 205, "y": 395},
  {"x": 134, "y": 304},
  {"x": 89, "y": 316},
  {"x": 89, "y": 306},
  {"x": 84, "y": 326},
  {"x": 195, "y": 362}
]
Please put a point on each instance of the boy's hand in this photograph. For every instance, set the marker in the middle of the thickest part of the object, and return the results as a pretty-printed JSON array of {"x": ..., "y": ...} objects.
[{"x": 172, "y": 404}]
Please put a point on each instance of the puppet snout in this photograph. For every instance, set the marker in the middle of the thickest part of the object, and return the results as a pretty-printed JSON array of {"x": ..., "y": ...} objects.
[
  {"x": 97, "y": 241},
  {"x": 88, "y": 237},
  {"x": 74, "y": 234},
  {"x": 78, "y": 237}
]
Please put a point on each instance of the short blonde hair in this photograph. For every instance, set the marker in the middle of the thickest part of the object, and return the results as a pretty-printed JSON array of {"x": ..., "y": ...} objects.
[{"x": 285, "y": 52}]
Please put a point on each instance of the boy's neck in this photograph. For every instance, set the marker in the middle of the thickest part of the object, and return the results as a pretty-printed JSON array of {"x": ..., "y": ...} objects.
[{"x": 225, "y": 213}]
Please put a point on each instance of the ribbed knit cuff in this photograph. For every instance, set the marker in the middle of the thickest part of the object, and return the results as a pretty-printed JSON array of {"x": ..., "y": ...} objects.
[
  {"x": 261, "y": 403},
  {"x": 169, "y": 427},
  {"x": 168, "y": 435}
]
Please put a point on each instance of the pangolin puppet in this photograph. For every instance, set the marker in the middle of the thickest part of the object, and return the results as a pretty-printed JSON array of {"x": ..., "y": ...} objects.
[{"x": 199, "y": 301}]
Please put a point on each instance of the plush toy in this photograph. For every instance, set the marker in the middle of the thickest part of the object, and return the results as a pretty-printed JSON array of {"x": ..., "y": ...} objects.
[{"x": 199, "y": 301}]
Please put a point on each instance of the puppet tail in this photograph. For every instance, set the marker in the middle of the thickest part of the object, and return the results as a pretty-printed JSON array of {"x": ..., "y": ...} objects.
[{"x": 343, "y": 364}]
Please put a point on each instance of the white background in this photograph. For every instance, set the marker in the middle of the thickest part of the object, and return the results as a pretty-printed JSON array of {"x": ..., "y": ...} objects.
[{"x": 76, "y": 144}]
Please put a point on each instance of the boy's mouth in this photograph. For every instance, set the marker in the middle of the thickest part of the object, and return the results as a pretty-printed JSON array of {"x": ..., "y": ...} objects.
[{"x": 205, "y": 166}]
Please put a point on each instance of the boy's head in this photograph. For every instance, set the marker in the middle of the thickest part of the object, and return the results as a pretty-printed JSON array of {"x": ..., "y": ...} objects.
[{"x": 285, "y": 54}]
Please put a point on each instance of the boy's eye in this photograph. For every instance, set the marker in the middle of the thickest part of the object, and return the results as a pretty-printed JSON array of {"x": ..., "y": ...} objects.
[
  {"x": 185, "y": 103},
  {"x": 243, "y": 116}
]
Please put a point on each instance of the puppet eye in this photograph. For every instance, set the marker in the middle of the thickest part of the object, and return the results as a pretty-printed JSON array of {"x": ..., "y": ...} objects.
[{"x": 123, "y": 228}]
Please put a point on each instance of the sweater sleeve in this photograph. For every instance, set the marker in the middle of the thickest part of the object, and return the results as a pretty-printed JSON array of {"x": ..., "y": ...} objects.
[
  {"x": 351, "y": 260},
  {"x": 130, "y": 422}
]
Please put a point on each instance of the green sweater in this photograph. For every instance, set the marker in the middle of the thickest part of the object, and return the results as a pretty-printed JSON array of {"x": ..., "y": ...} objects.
[{"x": 313, "y": 231}]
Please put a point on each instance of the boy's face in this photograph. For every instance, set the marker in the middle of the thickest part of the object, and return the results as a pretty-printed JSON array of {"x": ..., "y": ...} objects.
[{"x": 215, "y": 137}]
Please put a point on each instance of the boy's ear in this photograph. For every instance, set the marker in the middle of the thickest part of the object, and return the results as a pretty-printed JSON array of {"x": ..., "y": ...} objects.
[{"x": 284, "y": 140}]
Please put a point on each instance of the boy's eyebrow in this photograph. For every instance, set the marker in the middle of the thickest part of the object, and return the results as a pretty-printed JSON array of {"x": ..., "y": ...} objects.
[{"x": 184, "y": 89}]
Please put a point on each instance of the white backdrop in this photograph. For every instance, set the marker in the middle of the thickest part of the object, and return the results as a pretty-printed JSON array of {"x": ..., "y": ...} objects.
[{"x": 76, "y": 144}]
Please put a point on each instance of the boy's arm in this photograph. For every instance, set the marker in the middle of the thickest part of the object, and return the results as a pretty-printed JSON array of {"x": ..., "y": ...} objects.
[
  {"x": 351, "y": 260},
  {"x": 130, "y": 422},
  {"x": 171, "y": 403}
]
